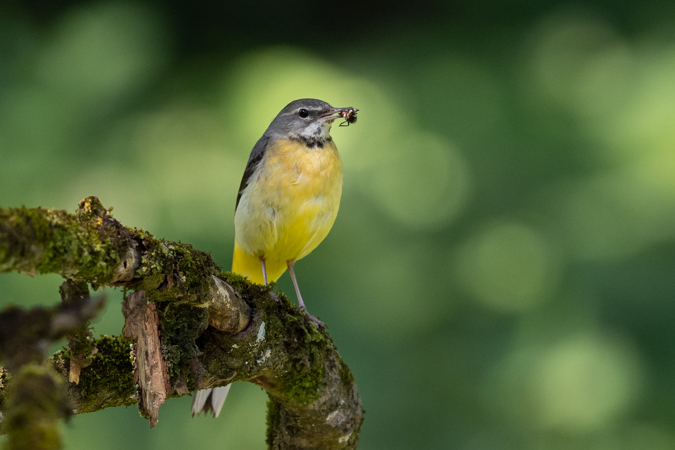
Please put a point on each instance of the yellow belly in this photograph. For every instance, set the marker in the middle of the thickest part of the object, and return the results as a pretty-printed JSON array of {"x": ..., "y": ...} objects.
[{"x": 287, "y": 209}]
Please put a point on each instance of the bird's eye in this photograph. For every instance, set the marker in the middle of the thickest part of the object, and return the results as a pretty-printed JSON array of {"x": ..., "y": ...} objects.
[{"x": 303, "y": 113}]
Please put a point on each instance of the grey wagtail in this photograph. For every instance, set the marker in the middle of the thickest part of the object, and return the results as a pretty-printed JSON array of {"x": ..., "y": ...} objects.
[{"x": 287, "y": 203}]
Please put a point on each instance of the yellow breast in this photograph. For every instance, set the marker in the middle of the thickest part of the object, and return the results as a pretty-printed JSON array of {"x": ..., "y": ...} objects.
[{"x": 288, "y": 207}]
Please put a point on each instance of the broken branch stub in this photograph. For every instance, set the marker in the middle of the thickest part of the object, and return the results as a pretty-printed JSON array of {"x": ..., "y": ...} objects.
[
  {"x": 126, "y": 268},
  {"x": 227, "y": 311},
  {"x": 141, "y": 323}
]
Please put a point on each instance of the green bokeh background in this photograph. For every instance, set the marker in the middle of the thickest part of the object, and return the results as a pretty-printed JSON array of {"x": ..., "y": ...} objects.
[{"x": 502, "y": 272}]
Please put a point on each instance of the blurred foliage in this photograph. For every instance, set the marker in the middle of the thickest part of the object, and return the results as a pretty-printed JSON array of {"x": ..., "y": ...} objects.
[{"x": 502, "y": 272}]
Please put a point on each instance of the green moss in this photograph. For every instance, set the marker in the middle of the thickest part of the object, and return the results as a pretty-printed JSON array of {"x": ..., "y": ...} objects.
[
  {"x": 346, "y": 375},
  {"x": 304, "y": 379},
  {"x": 110, "y": 374},
  {"x": 287, "y": 332},
  {"x": 273, "y": 421},
  {"x": 34, "y": 403},
  {"x": 80, "y": 342},
  {"x": 308, "y": 356},
  {"x": 303, "y": 388},
  {"x": 4, "y": 377},
  {"x": 69, "y": 243},
  {"x": 86, "y": 245},
  {"x": 256, "y": 293},
  {"x": 172, "y": 271},
  {"x": 304, "y": 345},
  {"x": 238, "y": 282},
  {"x": 181, "y": 324}
]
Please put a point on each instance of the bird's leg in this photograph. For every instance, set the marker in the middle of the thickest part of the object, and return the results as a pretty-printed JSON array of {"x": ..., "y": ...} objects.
[
  {"x": 297, "y": 292},
  {"x": 295, "y": 284},
  {"x": 264, "y": 269}
]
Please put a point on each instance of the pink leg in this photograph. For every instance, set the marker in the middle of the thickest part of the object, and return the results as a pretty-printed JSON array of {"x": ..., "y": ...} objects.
[
  {"x": 264, "y": 269},
  {"x": 297, "y": 292}
]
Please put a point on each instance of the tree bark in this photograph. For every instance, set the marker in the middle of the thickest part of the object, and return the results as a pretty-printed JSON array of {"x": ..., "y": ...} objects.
[{"x": 214, "y": 327}]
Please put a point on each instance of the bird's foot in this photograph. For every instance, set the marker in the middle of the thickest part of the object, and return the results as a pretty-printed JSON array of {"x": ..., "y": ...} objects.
[{"x": 316, "y": 321}]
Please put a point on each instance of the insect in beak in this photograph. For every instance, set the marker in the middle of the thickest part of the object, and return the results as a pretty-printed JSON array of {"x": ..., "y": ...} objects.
[
  {"x": 349, "y": 114},
  {"x": 334, "y": 113}
]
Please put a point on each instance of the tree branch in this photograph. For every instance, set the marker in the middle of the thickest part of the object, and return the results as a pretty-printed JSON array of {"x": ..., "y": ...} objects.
[{"x": 254, "y": 335}]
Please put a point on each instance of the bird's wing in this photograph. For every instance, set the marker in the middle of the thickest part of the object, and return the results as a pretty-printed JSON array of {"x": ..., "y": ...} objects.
[{"x": 256, "y": 156}]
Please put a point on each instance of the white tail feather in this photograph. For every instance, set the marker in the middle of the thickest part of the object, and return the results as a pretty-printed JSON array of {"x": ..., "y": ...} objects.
[
  {"x": 199, "y": 400},
  {"x": 212, "y": 400}
]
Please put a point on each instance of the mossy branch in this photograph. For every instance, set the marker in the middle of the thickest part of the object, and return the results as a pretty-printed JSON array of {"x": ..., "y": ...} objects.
[{"x": 215, "y": 327}]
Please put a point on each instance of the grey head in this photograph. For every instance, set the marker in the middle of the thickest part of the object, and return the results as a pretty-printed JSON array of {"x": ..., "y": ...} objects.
[{"x": 307, "y": 119}]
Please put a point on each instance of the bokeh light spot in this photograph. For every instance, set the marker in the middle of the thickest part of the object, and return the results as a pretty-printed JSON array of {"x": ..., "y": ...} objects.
[
  {"x": 507, "y": 266},
  {"x": 102, "y": 50},
  {"x": 617, "y": 215},
  {"x": 262, "y": 82},
  {"x": 579, "y": 61},
  {"x": 584, "y": 383},
  {"x": 392, "y": 289},
  {"x": 420, "y": 180}
]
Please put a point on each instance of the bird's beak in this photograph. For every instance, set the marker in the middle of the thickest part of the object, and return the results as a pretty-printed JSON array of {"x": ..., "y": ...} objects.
[{"x": 335, "y": 113}]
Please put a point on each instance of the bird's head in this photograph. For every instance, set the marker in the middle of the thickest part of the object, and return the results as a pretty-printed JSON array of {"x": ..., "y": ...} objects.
[{"x": 307, "y": 119}]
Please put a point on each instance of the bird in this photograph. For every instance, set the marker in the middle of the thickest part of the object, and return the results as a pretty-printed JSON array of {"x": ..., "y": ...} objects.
[{"x": 287, "y": 202}]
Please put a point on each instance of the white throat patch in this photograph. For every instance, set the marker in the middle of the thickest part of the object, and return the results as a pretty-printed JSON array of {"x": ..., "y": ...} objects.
[{"x": 317, "y": 130}]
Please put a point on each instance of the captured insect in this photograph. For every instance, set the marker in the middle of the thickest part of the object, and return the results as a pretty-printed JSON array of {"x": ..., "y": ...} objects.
[{"x": 350, "y": 117}]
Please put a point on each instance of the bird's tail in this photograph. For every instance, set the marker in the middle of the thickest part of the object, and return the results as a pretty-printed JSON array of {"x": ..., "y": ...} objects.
[{"x": 210, "y": 400}]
